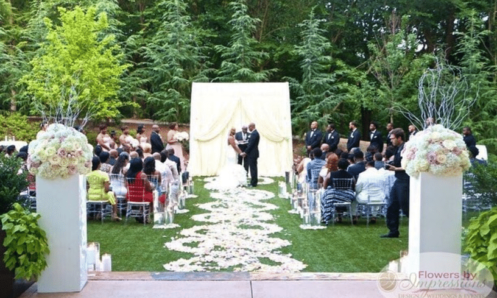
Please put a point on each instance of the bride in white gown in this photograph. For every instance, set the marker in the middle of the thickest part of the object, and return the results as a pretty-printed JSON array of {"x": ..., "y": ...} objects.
[{"x": 232, "y": 175}]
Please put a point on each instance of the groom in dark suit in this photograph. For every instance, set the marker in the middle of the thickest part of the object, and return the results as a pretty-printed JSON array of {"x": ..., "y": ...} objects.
[
  {"x": 252, "y": 154},
  {"x": 241, "y": 138}
]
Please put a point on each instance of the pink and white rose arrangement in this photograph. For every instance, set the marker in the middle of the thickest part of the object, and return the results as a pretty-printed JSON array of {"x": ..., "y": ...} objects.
[
  {"x": 436, "y": 150},
  {"x": 59, "y": 153}
]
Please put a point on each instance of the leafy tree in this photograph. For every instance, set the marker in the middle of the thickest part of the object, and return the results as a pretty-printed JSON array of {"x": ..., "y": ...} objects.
[
  {"x": 74, "y": 57},
  {"x": 175, "y": 62},
  {"x": 240, "y": 59}
]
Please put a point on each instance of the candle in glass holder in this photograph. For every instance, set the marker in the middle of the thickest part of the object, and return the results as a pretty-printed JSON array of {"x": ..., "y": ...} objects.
[
  {"x": 90, "y": 254},
  {"x": 393, "y": 266},
  {"x": 107, "y": 262}
]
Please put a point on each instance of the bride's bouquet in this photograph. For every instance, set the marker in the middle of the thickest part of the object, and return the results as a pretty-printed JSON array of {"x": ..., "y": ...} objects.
[
  {"x": 436, "y": 150},
  {"x": 60, "y": 152}
]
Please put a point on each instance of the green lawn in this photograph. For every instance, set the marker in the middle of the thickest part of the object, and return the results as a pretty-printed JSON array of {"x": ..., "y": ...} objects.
[{"x": 339, "y": 248}]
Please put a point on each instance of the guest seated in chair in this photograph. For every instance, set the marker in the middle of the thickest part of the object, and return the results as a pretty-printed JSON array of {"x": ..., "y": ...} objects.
[
  {"x": 104, "y": 165},
  {"x": 118, "y": 171},
  {"x": 358, "y": 166},
  {"x": 340, "y": 189},
  {"x": 138, "y": 183},
  {"x": 99, "y": 187},
  {"x": 370, "y": 186},
  {"x": 314, "y": 167},
  {"x": 331, "y": 166},
  {"x": 153, "y": 175}
]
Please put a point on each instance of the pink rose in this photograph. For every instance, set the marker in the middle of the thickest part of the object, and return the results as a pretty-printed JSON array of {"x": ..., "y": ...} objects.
[
  {"x": 72, "y": 169},
  {"x": 457, "y": 151},
  {"x": 432, "y": 158},
  {"x": 62, "y": 152},
  {"x": 78, "y": 153}
]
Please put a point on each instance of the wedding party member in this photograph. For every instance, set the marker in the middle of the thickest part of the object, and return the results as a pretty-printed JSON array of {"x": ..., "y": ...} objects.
[
  {"x": 375, "y": 136},
  {"x": 314, "y": 167},
  {"x": 172, "y": 143},
  {"x": 399, "y": 195},
  {"x": 98, "y": 187},
  {"x": 140, "y": 134},
  {"x": 412, "y": 131},
  {"x": 252, "y": 153},
  {"x": 43, "y": 129},
  {"x": 313, "y": 137},
  {"x": 354, "y": 140},
  {"x": 369, "y": 188},
  {"x": 104, "y": 165},
  {"x": 103, "y": 139},
  {"x": 468, "y": 137},
  {"x": 358, "y": 166},
  {"x": 125, "y": 138},
  {"x": 389, "y": 131},
  {"x": 156, "y": 139},
  {"x": 242, "y": 139},
  {"x": 332, "y": 138},
  {"x": 113, "y": 140}
]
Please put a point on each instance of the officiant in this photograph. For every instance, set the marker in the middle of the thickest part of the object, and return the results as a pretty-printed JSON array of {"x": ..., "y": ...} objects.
[{"x": 241, "y": 138}]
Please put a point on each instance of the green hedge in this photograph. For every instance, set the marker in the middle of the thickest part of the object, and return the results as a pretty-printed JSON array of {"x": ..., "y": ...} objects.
[{"x": 18, "y": 126}]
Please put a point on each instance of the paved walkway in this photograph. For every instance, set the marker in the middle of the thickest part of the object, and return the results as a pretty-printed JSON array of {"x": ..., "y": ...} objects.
[{"x": 225, "y": 285}]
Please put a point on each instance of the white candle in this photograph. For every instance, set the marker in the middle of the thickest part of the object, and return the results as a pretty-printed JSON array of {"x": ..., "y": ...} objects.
[
  {"x": 99, "y": 266},
  {"x": 97, "y": 253},
  {"x": 107, "y": 262},
  {"x": 90, "y": 254},
  {"x": 393, "y": 266}
]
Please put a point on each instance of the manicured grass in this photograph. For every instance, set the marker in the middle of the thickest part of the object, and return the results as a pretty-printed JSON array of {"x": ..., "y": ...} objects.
[{"x": 339, "y": 248}]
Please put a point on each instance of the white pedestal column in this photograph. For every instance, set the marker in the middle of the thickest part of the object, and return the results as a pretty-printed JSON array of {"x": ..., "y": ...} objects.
[
  {"x": 62, "y": 205},
  {"x": 435, "y": 220}
]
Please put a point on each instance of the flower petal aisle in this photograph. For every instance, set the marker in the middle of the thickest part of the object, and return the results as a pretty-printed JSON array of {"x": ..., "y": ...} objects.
[{"x": 236, "y": 236}]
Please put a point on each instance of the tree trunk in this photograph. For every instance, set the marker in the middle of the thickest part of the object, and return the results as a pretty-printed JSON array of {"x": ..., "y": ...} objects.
[{"x": 365, "y": 121}]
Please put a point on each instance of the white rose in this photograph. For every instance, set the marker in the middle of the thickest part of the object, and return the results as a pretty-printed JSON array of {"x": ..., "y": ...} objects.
[
  {"x": 64, "y": 162},
  {"x": 441, "y": 158},
  {"x": 51, "y": 151},
  {"x": 449, "y": 144},
  {"x": 54, "y": 159}
]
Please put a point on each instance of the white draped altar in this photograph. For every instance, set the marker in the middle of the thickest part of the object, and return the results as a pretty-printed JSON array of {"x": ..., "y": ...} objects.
[{"x": 216, "y": 107}]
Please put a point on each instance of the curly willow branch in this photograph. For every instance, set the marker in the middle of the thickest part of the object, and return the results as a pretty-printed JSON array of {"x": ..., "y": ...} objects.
[{"x": 443, "y": 96}]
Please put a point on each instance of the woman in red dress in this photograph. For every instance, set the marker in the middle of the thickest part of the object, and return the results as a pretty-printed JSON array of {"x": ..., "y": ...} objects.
[{"x": 139, "y": 187}]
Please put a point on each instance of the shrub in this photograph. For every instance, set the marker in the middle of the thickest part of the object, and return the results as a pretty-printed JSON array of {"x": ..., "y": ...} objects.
[
  {"x": 11, "y": 184},
  {"x": 18, "y": 126},
  {"x": 482, "y": 179}
]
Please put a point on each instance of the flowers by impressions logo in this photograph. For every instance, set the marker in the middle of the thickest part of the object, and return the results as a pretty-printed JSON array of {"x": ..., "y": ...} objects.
[{"x": 404, "y": 279}]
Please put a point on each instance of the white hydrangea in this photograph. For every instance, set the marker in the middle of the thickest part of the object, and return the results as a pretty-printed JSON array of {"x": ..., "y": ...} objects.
[
  {"x": 60, "y": 152},
  {"x": 437, "y": 150}
]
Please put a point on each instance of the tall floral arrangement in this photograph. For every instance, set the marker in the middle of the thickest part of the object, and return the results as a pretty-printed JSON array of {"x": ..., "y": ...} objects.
[
  {"x": 59, "y": 153},
  {"x": 436, "y": 150}
]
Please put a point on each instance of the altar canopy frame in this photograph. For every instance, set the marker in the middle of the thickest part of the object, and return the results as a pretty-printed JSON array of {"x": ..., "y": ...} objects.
[{"x": 217, "y": 107}]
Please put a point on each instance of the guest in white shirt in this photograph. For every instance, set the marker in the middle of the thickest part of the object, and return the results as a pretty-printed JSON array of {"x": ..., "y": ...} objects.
[
  {"x": 169, "y": 163},
  {"x": 370, "y": 188},
  {"x": 165, "y": 171}
]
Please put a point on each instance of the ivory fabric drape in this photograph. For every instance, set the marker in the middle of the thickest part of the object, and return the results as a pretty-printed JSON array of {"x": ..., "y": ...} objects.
[{"x": 216, "y": 107}]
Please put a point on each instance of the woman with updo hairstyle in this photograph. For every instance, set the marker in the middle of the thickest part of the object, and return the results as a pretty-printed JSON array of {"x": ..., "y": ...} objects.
[
  {"x": 125, "y": 138},
  {"x": 173, "y": 143},
  {"x": 140, "y": 134},
  {"x": 99, "y": 187},
  {"x": 103, "y": 139}
]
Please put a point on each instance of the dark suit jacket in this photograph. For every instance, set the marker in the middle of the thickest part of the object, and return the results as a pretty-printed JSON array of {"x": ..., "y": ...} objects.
[
  {"x": 315, "y": 141},
  {"x": 470, "y": 141},
  {"x": 356, "y": 169},
  {"x": 377, "y": 140},
  {"x": 332, "y": 140},
  {"x": 389, "y": 142},
  {"x": 156, "y": 142},
  {"x": 239, "y": 137},
  {"x": 354, "y": 140},
  {"x": 252, "y": 149},
  {"x": 176, "y": 160},
  {"x": 340, "y": 174}
]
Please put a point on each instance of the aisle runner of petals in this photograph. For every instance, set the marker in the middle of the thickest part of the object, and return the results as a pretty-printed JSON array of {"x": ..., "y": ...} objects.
[{"x": 237, "y": 236}]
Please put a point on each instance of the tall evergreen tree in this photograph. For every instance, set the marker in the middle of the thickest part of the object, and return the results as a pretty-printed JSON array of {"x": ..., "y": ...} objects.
[
  {"x": 241, "y": 61},
  {"x": 175, "y": 62}
]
